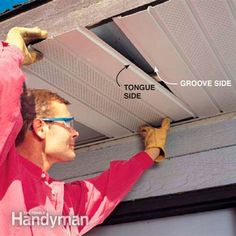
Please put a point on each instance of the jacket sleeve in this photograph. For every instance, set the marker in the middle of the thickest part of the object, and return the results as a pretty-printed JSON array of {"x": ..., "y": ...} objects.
[
  {"x": 11, "y": 81},
  {"x": 97, "y": 197}
]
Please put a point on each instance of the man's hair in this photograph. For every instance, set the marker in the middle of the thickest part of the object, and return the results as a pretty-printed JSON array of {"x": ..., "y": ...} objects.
[{"x": 36, "y": 103}]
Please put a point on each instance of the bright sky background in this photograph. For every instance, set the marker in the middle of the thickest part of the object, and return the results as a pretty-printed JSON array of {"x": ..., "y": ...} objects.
[{"x": 8, "y": 4}]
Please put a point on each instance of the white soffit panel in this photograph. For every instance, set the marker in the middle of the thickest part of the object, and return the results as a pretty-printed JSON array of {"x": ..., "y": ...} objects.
[
  {"x": 171, "y": 37},
  {"x": 218, "y": 22},
  {"x": 82, "y": 67},
  {"x": 56, "y": 75},
  {"x": 107, "y": 62}
]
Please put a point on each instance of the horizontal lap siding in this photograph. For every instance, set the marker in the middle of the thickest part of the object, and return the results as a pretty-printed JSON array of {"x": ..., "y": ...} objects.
[{"x": 201, "y": 155}]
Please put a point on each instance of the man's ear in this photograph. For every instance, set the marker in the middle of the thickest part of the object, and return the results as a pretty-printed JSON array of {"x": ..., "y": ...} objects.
[{"x": 39, "y": 128}]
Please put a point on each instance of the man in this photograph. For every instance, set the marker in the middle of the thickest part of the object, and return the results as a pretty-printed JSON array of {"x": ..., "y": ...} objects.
[{"x": 45, "y": 136}]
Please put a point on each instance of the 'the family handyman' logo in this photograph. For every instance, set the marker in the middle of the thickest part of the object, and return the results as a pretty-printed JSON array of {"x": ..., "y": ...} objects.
[{"x": 24, "y": 219}]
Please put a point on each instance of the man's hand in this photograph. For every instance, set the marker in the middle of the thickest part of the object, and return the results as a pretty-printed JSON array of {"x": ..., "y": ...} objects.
[
  {"x": 155, "y": 140},
  {"x": 20, "y": 37}
]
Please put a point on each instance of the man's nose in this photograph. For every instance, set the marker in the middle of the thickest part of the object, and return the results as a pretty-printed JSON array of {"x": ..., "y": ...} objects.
[{"x": 75, "y": 133}]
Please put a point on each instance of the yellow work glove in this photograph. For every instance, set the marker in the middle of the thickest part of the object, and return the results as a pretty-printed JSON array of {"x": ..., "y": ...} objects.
[
  {"x": 20, "y": 37},
  {"x": 156, "y": 137}
]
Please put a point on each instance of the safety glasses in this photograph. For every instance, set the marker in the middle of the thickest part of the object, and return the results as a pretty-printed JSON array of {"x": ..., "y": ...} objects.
[{"x": 68, "y": 122}]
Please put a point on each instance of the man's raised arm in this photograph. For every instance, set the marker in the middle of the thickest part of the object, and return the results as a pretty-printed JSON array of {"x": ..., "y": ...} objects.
[
  {"x": 13, "y": 53},
  {"x": 97, "y": 197}
]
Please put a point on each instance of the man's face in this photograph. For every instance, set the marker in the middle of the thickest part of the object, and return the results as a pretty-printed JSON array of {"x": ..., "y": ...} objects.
[{"x": 60, "y": 140}]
